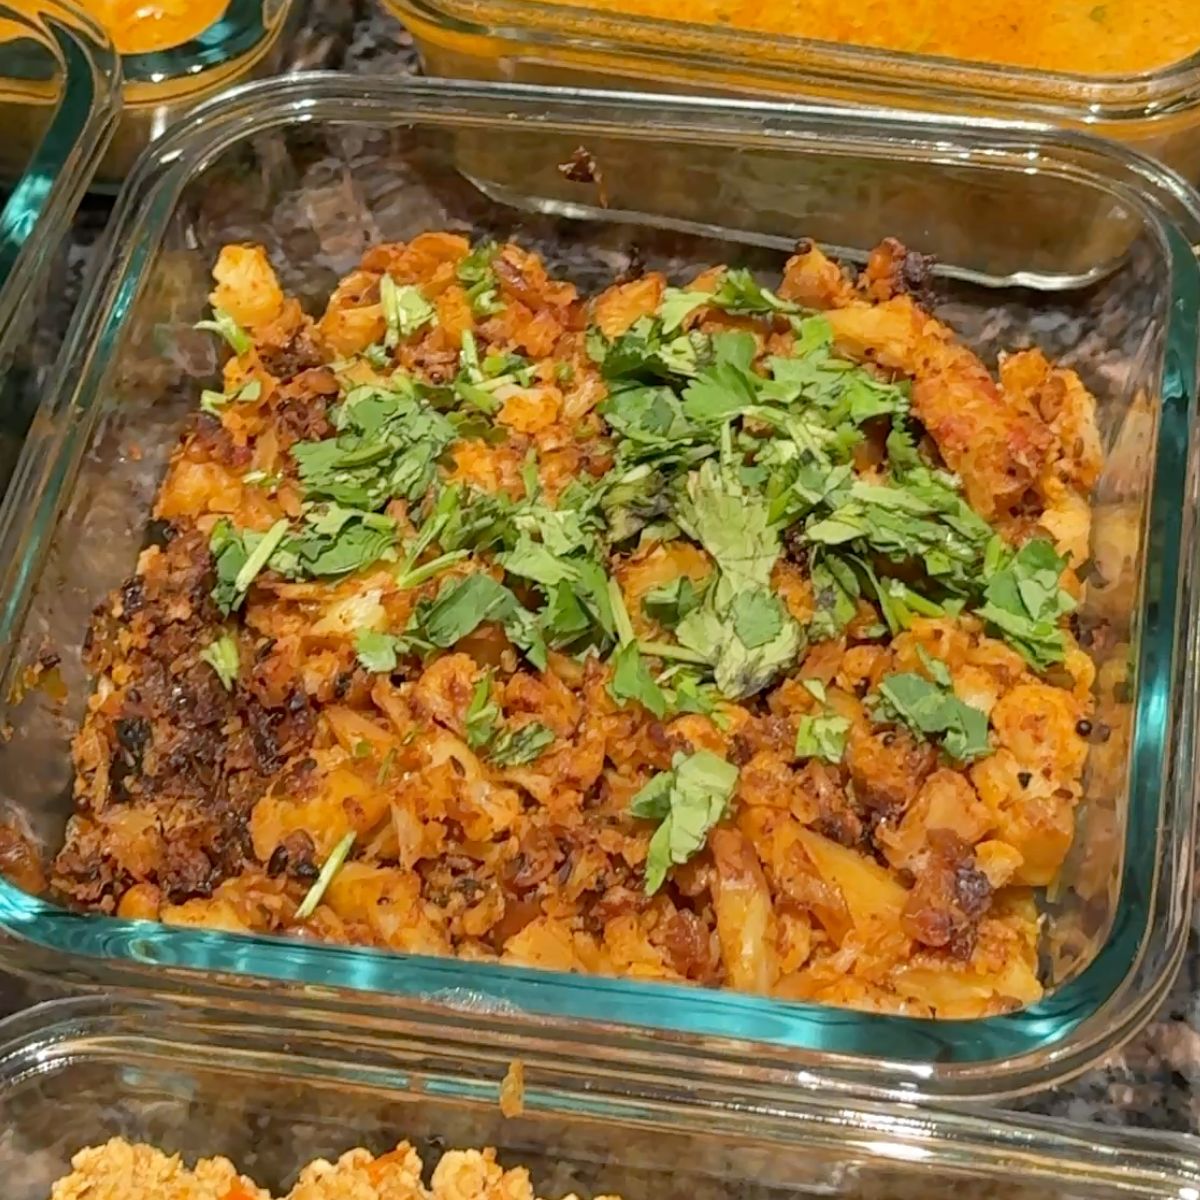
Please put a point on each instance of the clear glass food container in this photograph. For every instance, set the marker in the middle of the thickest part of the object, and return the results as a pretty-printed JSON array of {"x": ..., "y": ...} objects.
[
  {"x": 249, "y": 40},
  {"x": 548, "y": 42},
  {"x": 317, "y": 168},
  {"x": 49, "y": 154},
  {"x": 272, "y": 1090}
]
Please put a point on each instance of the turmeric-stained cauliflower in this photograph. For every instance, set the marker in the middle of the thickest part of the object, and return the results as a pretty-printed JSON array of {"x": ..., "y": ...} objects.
[
  {"x": 121, "y": 1170},
  {"x": 701, "y": 633}
]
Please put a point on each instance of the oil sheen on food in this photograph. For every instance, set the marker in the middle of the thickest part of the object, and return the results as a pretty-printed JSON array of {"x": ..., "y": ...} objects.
[{"x": 1082, "y": 37}]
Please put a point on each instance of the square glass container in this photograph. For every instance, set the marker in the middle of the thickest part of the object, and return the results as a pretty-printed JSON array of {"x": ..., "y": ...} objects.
[
  {"x": 249, "y": 40},
  {"x": 271, "y": 1090},
  {"x": 52, "y": 146},
  {"x": 549, "y": 42},
  {"x": 317, "y": 168}
]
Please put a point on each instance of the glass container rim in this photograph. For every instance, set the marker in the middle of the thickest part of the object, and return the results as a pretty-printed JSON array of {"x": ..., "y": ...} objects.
[
  {"x": 257, "y": 1040},
  {"x": 61, "y": 166},
  {"x": 36, "y": 493},
  {"x": 1090, "y": 99},
  {"x": 241, "y": 29}
]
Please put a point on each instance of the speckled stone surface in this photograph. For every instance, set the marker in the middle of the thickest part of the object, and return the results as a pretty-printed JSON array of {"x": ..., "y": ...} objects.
[{"x": 1153, "y": 1082}]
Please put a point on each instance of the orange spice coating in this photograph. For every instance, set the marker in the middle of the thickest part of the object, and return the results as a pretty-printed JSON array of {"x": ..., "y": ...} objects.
[
  {"x": 1082, "y": 37},
  {"x": 890, "y": 880}
]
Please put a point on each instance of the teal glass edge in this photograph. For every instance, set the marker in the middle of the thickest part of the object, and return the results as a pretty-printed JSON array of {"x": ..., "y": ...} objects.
[
  {"x": 82, "y": 122},
  {"x": 1158, "y": 839},
  {"x": 244, "y": 25}
]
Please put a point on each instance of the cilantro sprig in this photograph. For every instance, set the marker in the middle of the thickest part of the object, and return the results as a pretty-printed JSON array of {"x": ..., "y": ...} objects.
[
  {"x": 222, "y": 655},
  {"x": 930, "y": 709},
  {"x": 687, "y": 801},
  {"x": 1025, "y": 600}
]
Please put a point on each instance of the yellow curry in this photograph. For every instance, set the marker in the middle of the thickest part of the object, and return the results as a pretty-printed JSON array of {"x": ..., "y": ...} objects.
[
  {"x": 1084, "y": 37},
  {"x": 143, "y": 26}
]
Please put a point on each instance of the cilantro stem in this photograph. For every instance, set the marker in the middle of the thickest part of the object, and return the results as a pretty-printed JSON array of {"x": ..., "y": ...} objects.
[
  {"x": 414, "y": 576},
  {"x": 678, "y": 653},
  {"x": 333, "y": 863},
  {"x": 257, "y": 558},
  {"x": 624, "y": 626}
]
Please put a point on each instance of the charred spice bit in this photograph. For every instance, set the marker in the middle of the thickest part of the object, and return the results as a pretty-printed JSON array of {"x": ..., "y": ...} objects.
[{"x": 582, "y": 167}]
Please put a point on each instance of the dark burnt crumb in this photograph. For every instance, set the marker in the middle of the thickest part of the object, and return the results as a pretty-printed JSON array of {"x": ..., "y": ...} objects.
[
  {"x": 795, "y": 545},
  {"x": 635, "y": 266},
  {"x": 132, "y": 597},
  {"x": 804, "y": 246},
  {"x": 582, "y": 167},
  {"x": 295, "y": 856},
  {"x": 740, "y": 750},
  {"x": 1024, "y": 778},
  {"x": 159, "y": 532}
]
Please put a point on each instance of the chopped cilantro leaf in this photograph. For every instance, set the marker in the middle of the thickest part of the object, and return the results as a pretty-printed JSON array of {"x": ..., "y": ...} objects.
[
  {"x": 483, "y": 713},
  {"x": 822, "y": 736},
  {"x": 518, "y": 747},
  {"x": 222, "y": 656},
  {"x": 239, "y": 556},
  {"x": 670, "y": 602},
  {"x": 731, "y": 522},
  {"x": 836, "y": 591},
  {"x": 650, "y": 415},
  {"x": 632, "y": 680},
  {"x": 531, "y": 560},
  {"x": 335, "y": 541},
  {"x": 462, "y": 605},
  {"x": 475, "y": 272},
  {"x": 728, "y": 387},
  {"x": 757, "y": 616},
  {"x": 931, "y": 710},
  {"x": 740, "y": 292},
  {"x": 377, "y": 652},
  {"x": 1025, "y": 600},
  {"x": 738, "y": 669},
  {"x": 405, "y": 310},
  {"x": 688, "y": 801},
  {"x": 213, "y": 402},
  {"x": 677, "y": 305},
  {"x": 387, "y": 446}
]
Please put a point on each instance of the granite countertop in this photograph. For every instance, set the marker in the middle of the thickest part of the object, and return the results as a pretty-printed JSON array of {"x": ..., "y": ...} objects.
[{"x": 1155, "y": 1081}]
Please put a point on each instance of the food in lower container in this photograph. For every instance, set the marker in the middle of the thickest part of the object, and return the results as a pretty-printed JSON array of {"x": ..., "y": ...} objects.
[
  {"x": 705, "y": 633},
  {"x": 1079, "y": 37},
  {"x": 121, "y": 1170}
]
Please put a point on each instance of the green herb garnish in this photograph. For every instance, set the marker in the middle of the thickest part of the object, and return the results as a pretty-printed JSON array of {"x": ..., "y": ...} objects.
[
  {"x": 332, "y": 865},
  {"x": 688, "y": 801},
  {"x": 405, "y": 310},
  {"x": 222, "y": 656},
  {"x": 519, "y": 747},
  {"x": 222, "y": 323},
  {"x": 931, "y": 710}
]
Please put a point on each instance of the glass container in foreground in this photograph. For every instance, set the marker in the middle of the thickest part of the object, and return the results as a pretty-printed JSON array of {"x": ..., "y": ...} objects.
[
  {"x": 273, "y": 1090},
  {"x": 319, "y": 167}
]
